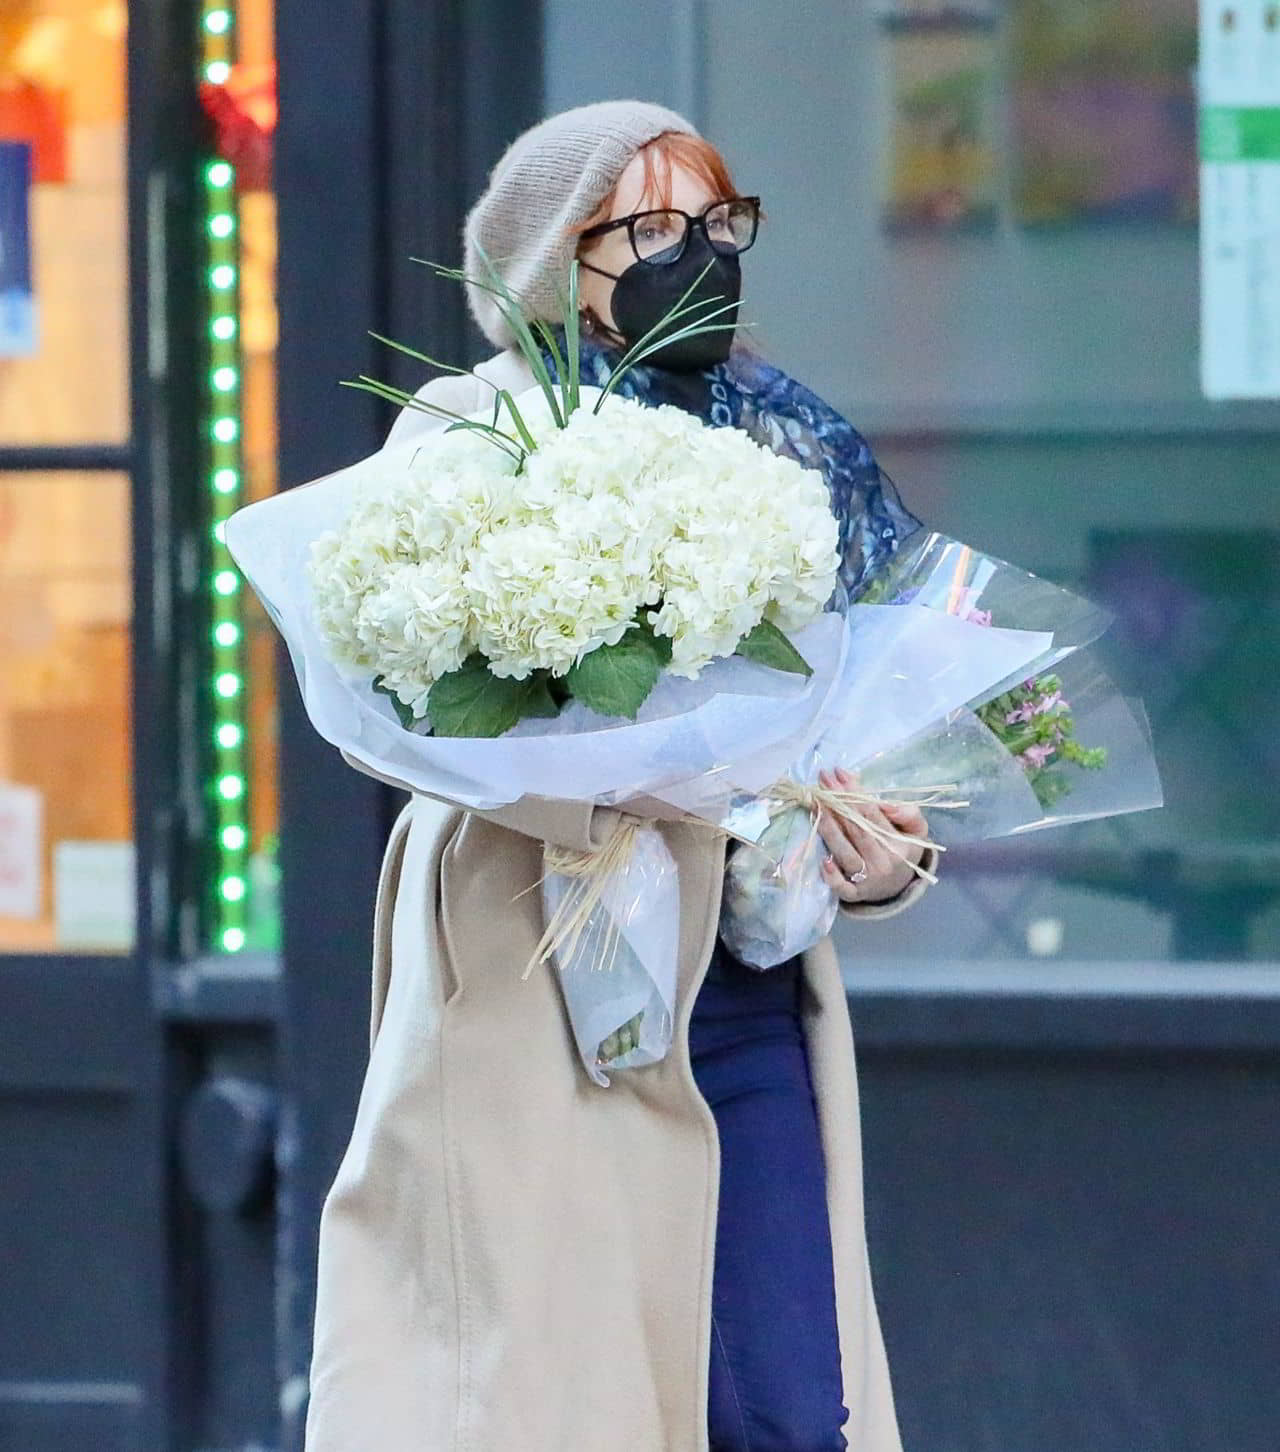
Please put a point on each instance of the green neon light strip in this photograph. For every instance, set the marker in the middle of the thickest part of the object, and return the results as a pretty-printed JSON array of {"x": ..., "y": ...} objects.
[
  {"x": 227, "y": 789},
  {"x": 1240, "y": 133}
]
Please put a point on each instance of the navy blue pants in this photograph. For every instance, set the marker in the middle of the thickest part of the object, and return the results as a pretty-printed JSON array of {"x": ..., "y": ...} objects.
[{"x": 775, "y": 1352}]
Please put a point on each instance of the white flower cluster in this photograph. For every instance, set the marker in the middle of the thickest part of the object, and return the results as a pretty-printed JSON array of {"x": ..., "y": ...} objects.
[{"x": 626, "y": 510}]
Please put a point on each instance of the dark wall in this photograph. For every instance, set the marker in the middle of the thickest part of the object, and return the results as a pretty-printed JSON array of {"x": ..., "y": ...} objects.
[{"x": 1071, "y": 1204}]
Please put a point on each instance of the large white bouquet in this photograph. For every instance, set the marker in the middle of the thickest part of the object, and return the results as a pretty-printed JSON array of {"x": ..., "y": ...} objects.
[
  {"x": 570, "y": 596},
  {"x": 480, "y": 585}
]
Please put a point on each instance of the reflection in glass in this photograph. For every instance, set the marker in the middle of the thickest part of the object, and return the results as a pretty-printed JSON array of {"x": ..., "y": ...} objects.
[
  {"x": 62, "y": 79},
  {"x": 66, "y": 852}
]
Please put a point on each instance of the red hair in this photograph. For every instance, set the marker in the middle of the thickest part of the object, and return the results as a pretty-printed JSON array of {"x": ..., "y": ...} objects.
[{"x": 675, "y": 148}]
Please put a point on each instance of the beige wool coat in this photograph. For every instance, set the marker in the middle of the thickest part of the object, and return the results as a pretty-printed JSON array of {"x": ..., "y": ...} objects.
[{"x": 511, "y": 1256}]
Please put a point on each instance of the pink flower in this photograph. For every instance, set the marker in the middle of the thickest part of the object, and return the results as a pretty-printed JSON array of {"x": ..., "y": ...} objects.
[
  {"x": 979, "y": 617},
  {"x": 1020, "y": 713},
  {"x": 1046, "y": 703},
  {"x": 1037, "y": 755}
]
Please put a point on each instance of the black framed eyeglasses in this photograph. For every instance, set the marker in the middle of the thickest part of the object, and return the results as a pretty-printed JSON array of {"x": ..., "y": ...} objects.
[{"x": 660, "y": 235}]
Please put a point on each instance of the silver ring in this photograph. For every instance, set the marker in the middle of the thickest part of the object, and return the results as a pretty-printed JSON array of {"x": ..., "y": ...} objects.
[{"x": 859, "y": 876}]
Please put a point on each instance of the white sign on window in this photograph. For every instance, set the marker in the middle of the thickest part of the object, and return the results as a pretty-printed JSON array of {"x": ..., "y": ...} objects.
[
  {"x": 20, "y": 844},
  {"x": 93, "y": 894},
  {"x": 1239, "y": 98}
]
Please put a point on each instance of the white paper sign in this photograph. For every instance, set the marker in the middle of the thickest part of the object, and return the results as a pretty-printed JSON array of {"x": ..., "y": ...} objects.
[
  {"x": 1239, "y": 98},
  {"x": 21, "y": 815},
  {"x": 93, "y": 894}
]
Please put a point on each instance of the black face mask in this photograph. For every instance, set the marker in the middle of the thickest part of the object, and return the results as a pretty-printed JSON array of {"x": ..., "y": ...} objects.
[{"x": 647, "y": 291}]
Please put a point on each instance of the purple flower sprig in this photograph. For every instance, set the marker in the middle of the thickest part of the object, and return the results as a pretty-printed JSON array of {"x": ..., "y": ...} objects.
[{"x": 1034, "y": 724}]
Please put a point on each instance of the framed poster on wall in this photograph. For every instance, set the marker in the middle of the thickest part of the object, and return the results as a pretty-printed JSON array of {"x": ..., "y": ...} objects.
[
  {"x": 1103, "y": 111},
  {"x": 941, "y": 157}
]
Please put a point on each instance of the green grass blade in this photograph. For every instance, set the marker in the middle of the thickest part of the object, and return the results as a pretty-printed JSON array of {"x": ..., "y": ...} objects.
[
  {"x": 571, "y": 370},
  {"x": 644, "y": 349},
  {"x": 502, "y": 441},
  {"x": 421, "y": 357},
  {"x": 389, "y": 394},
  {"x": 572, "y": 340},
  {"x": 519, "y": 422},
  {"x": 509, "y": 307},
  {"x": 652, "y": 340},
  {"x": 676, "y": 310},
  {"x": 692, "y": 330},
  {"x": 553, "y": 348}
]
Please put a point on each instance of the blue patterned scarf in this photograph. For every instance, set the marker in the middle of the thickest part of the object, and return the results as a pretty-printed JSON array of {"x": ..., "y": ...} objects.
[{"x": 774, "y": 409}]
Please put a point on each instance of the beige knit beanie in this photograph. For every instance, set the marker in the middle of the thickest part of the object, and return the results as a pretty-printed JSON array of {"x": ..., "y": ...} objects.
[{"x": 551, "y": 177}]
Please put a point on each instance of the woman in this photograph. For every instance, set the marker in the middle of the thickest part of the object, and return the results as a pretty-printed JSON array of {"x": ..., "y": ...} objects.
[{"x": 511, "y": 1256}]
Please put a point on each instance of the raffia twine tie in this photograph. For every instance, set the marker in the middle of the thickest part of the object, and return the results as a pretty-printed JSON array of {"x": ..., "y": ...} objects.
[
  {"x": 848, "y": 806},
  {"x": 591, "y": 871},
  {"x": 589, "y": 874}
]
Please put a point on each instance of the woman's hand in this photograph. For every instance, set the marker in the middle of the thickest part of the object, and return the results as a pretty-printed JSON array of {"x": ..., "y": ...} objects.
[{"x": 862, "y": 867}]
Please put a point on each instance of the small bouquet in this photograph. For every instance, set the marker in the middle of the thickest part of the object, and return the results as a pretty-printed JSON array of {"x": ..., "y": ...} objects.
[{"x": 984, "y": 758}]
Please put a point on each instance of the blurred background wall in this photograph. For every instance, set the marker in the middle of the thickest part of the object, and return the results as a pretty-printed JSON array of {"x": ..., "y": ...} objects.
[{"x": 982, "y": 247}]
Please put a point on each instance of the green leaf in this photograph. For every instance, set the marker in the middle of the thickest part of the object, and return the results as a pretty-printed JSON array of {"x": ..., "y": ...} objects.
[
  {"x": 658, "y": 336},
  {"x": 663, "y": 644},
  {"x": 568, "y": 368},
  {"x": 548, "y": 337},
  {"x": 768, "y": 646},
  {"x": 525, "y": 436},
  {"x": 538, "y": 698},
  {"x": 407, "y": 719},
  {"x": 473, "y": 702},
  {"x": 616, "y": 679}
]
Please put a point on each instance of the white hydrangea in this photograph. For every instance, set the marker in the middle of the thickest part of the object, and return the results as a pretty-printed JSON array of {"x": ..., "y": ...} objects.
[{"x": 626, "y": 512}]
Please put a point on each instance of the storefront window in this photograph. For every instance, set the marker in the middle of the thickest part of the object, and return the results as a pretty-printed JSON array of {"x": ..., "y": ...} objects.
[
  {"x": 992, "y": 209},
  {"x": 983, "y": 250},
  {"x": 64, "y": 379},
  {"x": 66, "y": 832},
  {"x": 66, "y": 869}
]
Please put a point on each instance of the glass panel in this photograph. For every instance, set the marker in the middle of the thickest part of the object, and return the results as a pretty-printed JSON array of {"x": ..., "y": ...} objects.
[
  {"x": 66, "y": 849},
  {"x": 1197, "y": 635},
  {"x": 1018, "y": 335},
  {"x": 238, "y": 90},
  {"x": 62, "y": 205}
]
